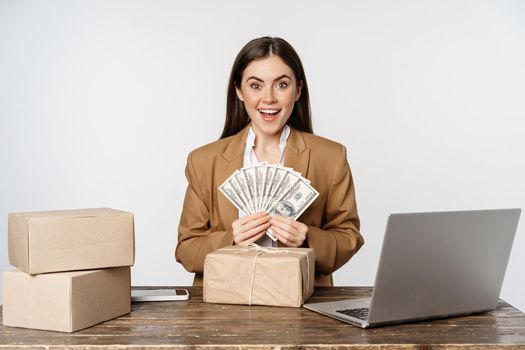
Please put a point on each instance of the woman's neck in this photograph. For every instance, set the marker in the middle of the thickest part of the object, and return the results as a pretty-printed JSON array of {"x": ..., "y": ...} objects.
[{"x": 267, "y": 148}]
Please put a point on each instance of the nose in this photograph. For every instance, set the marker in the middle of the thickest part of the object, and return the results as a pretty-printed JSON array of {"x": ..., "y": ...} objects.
[{"x": 269, "y": 96}]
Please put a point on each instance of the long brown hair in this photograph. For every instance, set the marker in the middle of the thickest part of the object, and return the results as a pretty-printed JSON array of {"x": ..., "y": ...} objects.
[{"x": 236, "y": 116}]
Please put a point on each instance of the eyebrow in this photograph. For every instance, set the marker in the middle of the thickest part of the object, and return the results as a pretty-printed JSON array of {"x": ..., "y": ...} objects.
[{"x": 278, "y": 78}]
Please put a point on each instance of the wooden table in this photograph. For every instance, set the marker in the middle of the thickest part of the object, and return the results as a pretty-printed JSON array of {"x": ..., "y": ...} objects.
[{"x": 195, "y": 324}]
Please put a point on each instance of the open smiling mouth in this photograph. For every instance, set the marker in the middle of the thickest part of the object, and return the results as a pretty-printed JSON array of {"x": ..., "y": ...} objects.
[{"x": 269, "y": 114}]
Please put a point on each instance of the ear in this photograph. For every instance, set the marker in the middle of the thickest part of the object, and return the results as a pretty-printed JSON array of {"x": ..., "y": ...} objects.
[
  {"x": 239, "y": 94},
  {"x": 298, "y": 90}
]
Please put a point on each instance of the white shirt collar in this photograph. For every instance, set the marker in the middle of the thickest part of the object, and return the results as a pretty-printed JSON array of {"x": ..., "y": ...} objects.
[{"x": 249, "y": 154}]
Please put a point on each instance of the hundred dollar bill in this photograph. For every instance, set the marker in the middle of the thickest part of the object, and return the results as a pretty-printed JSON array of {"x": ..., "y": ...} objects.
[
  {"x": 283, "y": 180},
  {"x": 242, "y": 199},
  {"x": 287, "y": 180},
  {"x": 295, "y": 201},
  {"x": 298, "y": 174},
  {"x": 240, "y": 182},
  {"x": 278, "y": 176},
  {"x": 268, "y": 181},
  {"x": 249, "y": 176},
  {"x": 232, "y": 193},
  {"x": 260, "y": 176}
]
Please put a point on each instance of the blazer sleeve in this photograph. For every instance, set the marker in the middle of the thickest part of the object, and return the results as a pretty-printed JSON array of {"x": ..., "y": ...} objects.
[
  {"x": 338, "y": 239},
  {"x": 196, "y": 238}
]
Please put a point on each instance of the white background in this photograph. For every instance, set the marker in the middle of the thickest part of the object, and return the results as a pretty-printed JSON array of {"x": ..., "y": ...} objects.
[{"x": 101, "y": 101}]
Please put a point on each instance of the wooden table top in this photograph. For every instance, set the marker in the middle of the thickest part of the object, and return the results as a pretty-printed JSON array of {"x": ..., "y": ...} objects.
[{"x": 195, "y": 324}]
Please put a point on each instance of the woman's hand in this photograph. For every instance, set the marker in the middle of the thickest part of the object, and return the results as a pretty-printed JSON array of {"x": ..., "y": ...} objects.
[
  {"x": 250, "y": 228},
  {"x": 291, "y": 233}
]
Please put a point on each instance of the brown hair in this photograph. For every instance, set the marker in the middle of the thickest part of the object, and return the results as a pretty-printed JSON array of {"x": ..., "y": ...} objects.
[{"x": 236, "y": 116}]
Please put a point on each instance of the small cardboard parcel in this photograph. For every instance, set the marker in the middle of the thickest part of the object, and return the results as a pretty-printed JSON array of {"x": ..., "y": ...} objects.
[{"x": 256, "y": 275}]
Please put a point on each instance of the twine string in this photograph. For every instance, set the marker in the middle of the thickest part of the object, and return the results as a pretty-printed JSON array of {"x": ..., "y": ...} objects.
[{"x": 270, "y": 250}]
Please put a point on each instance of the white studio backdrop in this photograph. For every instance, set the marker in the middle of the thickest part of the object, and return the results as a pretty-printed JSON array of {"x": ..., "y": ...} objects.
[{"x": 101, "y": 101}]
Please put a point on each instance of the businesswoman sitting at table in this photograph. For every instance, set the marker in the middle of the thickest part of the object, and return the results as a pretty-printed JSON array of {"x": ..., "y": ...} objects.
[{"x": 268, "y": 120}]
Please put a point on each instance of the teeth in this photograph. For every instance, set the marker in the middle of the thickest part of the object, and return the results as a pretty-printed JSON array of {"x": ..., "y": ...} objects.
[{"x": 268, "y": 111}]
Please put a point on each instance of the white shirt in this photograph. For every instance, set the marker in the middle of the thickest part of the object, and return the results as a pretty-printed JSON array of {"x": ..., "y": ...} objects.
[
  {"x": 249, "y": 158},
  {"x": 249, "y": 153}
]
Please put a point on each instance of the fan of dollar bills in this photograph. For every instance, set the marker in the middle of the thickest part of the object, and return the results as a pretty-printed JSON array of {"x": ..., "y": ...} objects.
[{"x": 271, "y": 188}]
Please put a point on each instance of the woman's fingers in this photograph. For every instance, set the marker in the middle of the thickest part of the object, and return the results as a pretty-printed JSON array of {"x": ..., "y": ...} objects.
[
  {"x": 283, "y": 236},
  {"x": 250, "y": 228},
  {"x": 290, "y": 232},
  {"x": 258, "y": 235},
  {"x": 256, "y": 220},
  {"x": 256, "y": 230},
  {"x": 246, "y": 219},
  {"x": 251, "y": 235}
]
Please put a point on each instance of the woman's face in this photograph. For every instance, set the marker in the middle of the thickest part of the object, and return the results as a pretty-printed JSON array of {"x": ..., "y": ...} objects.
[{"x": 269, "y": 90}]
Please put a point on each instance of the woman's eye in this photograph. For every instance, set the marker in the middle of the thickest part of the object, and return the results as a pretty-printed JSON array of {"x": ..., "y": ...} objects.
[
  {"x": 282, "y": 85},
  {"x": 255, "y": 86}
]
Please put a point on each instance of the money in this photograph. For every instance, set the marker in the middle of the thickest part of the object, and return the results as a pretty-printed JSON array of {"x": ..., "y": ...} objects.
[{"x": 272, "y": 188}]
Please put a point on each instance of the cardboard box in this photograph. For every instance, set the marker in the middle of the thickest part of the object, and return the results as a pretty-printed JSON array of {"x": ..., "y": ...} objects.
[
  {"x": 66, "y": 301},
  {"x": 68, "y": 240},
  {"x": 259, "y": 276}
]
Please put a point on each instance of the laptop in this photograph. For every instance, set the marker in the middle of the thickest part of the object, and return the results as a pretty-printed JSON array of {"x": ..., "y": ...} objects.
[{"x": 434, "y": 265}]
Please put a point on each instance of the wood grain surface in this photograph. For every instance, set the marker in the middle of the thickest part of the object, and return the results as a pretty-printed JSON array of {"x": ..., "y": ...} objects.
[{"x": 195, "y": 324}]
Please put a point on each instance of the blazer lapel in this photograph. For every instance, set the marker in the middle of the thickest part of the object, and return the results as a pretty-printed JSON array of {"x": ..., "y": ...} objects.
[
  {"x": 297, "y": 155},
  {"x": 231, "y": 160}
]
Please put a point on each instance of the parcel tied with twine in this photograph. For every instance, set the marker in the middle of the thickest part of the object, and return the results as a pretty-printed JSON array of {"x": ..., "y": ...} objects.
[{"x": 256, "y": 275}]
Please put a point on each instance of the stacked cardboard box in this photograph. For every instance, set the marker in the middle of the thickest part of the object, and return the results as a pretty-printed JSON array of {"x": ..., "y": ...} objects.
[{"x": 73, "y": 268}]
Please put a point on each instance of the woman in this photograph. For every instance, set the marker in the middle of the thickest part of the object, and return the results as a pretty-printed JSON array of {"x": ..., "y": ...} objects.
[{"x": 268, "y": 120}]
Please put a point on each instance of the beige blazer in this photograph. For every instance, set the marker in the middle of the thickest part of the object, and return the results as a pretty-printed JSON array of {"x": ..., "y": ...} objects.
[{"x": 207, "y": 215}]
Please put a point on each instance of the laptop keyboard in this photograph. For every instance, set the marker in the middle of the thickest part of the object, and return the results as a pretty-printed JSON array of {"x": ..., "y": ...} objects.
[{"x": 360, "y": 313}]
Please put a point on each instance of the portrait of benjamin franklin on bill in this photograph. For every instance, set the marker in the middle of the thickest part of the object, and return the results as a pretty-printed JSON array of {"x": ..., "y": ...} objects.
[{"x": 284, "y": 208}]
